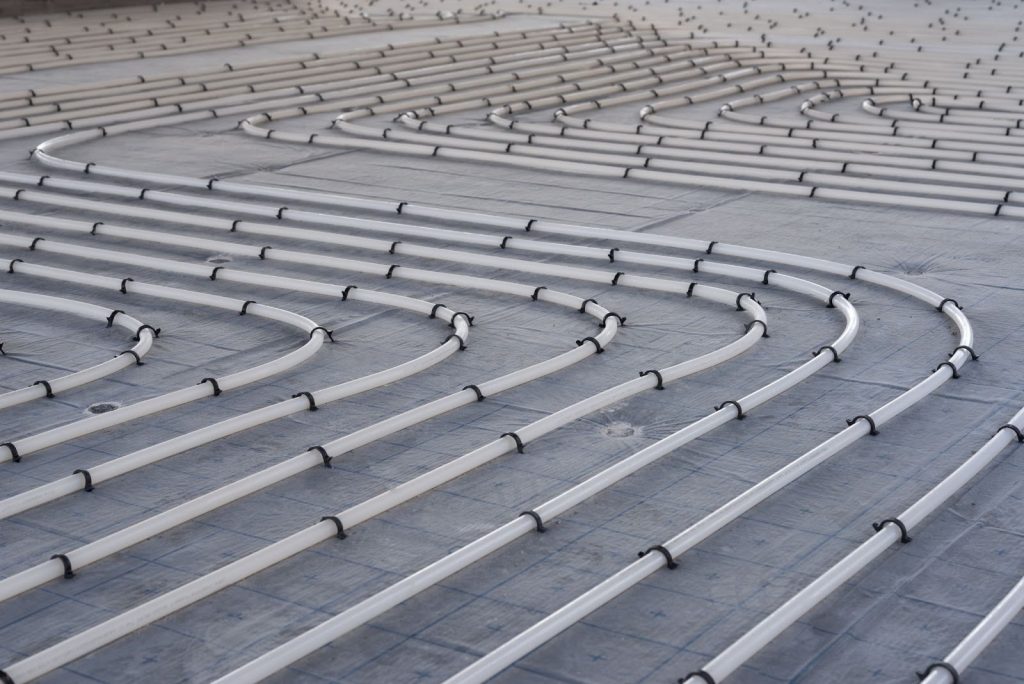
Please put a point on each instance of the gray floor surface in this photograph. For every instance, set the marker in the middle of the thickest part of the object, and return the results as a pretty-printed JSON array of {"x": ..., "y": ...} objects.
[{"x": 907, "y": 610}]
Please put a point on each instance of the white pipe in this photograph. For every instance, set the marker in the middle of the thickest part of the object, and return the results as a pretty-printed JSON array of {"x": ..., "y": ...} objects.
[{"x": 58, "y": 385}]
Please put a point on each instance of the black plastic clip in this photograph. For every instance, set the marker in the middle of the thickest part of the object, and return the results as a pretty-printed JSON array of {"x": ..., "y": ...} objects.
[
  {"x": 309, "y": 398},
  {"x": 245, "y": 306},
  {"x": 68, "y": 572},
  {"x": 391, "y": 271},
  {"x": 462, "y": 342},
  {"x": 112, "y": 316},
  {"x": 97, "y": 224},
  {"x": 87, "y": 476},
  {"x": 35, "y": 241},
  {"x": 946, "y": 301},
  {"x": 479, "y": 395},
  {"x": 10, "y": 266},
  {"x": 698, "y": 673},
  {"x": 519, "y": 443},
  {"x": 835, "y": 354},
  {"x": 1016, "y": 430},
  {"x": 904, "y": 537},
  {"x": 124, "y": 284},
  {"x": 391, "y": 250},
  {"x": 433, "y": 311},
  {"x": 764, "y": 327},
  {"x": 670, "y": 561},
  {"x": 696, "y": 265},
  {"x": 212, "y": 381},
  {"x": 853, "y": 273},
  {"x": 469, "y": 319},
  {"x": 146, "y": 326},
  {"x": 837, "y": 293},
  {"x": 46, "y": 386},
  {"x": 600, "y": 349},
  {"x": 401, "y": 205},
  {"x": 583, "y": 306},
  {"x": 234, "y": 225},
  {"x": 138, "y": 359},
  {"x": 263, "y": 251},
  {"x": 956, "y": 371},
  {"x": 657, "y": 374},
  {"x": 15, "y": 456},
  {"x": 536, "y": 519},
  {"x": 689, "y": 290},
  {"x": 764, "y": 280},
  {"x": 871, "y": 423},
  {"x": 328, "y": 333},
  {"x": 604, "y": 321},
  {"x": 941, "y": 665},
  {"x": 280, "y": 213},
  {"x": 323, "y": 454},
  {"x": 740, "y": 415},
  {"x": 969, "y": 350},
  {"x": 337, "y": 522},
  {"x": 536, "y": 292},
  {"x": 347, "y": 290},
  {"x": 611, "y": 254},
  {"x": 740, "y": 297},
  {"x": 615, "y": 280},
  {"x": 213, "y": 274},
  {"x": 711, "y": 246}
]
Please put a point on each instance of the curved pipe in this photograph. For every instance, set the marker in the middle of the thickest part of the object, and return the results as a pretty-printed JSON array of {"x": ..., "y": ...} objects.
[
  {"x": 17, "y": 448},
  {"x": 58, "y": 385}
]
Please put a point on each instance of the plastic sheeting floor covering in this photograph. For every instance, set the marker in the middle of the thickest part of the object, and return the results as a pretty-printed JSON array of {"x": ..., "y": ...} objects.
[{"x": 905, "y": 610}]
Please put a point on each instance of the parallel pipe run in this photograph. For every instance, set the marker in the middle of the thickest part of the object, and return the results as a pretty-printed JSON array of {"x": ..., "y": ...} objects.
[
  {"x": 106, "y": 632},
  {"x": 223, "y": 273},
  {"x": 302, "y": 88},
  {"x": 531, "y": 520},
  {"x": 138, "y": 42},
  {"x": 888, "y": 533},
  {"x": 623, "y": 82},
  {"x": 15, "y": 449},
  {"x": 724, "y": 249},
  {"x": 837, "y": 154},
  {"x": 569, "y": 614},
  {"x": 51, "y": 387},
  {"x": 338, "y": 524},
  {"x": 714, "y": 246},
  {"x": 608, "y": 320},
  {"x": 301, "y": 401}
]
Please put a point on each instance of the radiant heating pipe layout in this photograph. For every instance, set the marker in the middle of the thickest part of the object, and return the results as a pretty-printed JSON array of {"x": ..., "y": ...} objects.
[
  {"x": 940, "y": 304},
  {"x": 211, "y": 185},
  {"x": 919, "y": 154}
]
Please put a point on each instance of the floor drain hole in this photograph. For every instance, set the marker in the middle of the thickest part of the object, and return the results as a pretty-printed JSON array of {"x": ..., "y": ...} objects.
[{"x": 102, "y": 407}]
